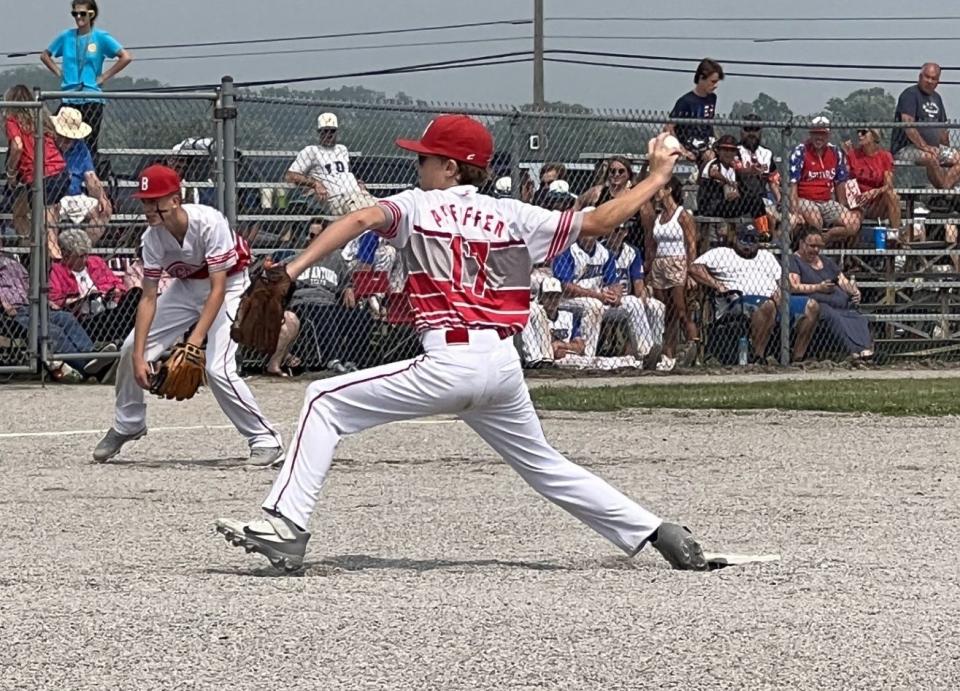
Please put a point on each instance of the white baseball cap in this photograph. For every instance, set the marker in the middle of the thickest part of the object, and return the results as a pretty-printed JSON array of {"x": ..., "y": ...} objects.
[
  {"x": 820, "y": 124},
  {"x": 560, "y": 188},
  {"x": 550, "y": 285},
  {"x": 503, "y": 185},
  {"x": 327, "y": 121}
]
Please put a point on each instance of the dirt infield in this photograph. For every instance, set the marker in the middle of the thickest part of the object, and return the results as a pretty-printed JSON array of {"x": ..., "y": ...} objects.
[{"x": 433, "y": 566}]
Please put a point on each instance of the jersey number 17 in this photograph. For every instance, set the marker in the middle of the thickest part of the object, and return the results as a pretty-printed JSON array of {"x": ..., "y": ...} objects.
[{"x": 476, "y": 250}]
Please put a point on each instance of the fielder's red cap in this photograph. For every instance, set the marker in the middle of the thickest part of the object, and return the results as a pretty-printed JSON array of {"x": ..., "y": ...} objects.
[
  {"x": 157, "y": 181},
  {"x": 454, "y": 136}
]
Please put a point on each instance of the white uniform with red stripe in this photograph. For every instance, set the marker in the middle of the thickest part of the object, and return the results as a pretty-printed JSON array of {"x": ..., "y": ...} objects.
[
  {"x": 209, "y": 246},
  {"x": 469, "y": 259}
]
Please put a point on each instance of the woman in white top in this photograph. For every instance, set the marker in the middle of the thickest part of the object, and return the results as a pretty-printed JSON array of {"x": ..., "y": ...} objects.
[{"x": 668, "y": 250}]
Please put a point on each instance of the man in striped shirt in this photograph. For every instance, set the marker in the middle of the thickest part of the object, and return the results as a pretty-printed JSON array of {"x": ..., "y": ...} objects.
[{"x": 468, "y": 258}]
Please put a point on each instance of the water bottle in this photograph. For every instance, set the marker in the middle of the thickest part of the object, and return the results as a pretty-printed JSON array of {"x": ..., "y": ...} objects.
[{"x": 743, "y": 351}]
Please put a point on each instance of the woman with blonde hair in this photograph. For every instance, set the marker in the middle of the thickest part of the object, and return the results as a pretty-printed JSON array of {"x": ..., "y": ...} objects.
[{"x": 21, "y": 163}]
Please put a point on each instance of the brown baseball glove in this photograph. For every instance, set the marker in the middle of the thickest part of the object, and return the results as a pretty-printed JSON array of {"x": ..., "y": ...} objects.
[
  {"x": 260, "y": 315},
  {"x": 181, "y": 374}
]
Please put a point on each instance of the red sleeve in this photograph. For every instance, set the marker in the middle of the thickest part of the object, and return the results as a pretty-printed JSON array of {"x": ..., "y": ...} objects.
[
  {"x": 13, "y": 129},
  {"x": 887, "y": 162}
]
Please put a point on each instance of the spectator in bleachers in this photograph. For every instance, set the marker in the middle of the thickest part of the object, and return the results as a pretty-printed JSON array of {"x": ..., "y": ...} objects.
[
  {"x": 818, "y": 177},
  {"x": 66, "y": 334},
  {"x": 617, "y": 176},
  {"x": 324, "y": 298},
  {"x": 549, "y": 173},
  {"x": 721, "y": 193},
  {"x": 819, "y": 278},
  {"x": 700, "y": 103},
  {"x": 669, "y": 249},
  {"x": 323, "y": 169},
  {"x": 754, "y": 276},
  {"x": 503, "y": 187},
  {"x": 557, "y": 196},
  {"x": 82, "y": 282},
  {"x": 589, "y": 281},
  {"x": 759, "y": 176},
  {"x": 20, "y": 160},
  {"x": 86, "y": 202},
  {"x": 133, "y": 275},
  {"x": 645, "y": 313},
  {"x": 83, "y": 50},
  {"x": 551, "y": 333},
  {"x": 872, "y": 168},
  {"x": 926, "y": 146}
]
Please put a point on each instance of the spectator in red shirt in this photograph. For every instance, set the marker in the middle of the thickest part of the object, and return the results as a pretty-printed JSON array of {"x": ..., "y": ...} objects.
[
  {"x": 20, "y": 125},
  {"x": 818, "y": 175},
  {"x": 872, "y": 168}
]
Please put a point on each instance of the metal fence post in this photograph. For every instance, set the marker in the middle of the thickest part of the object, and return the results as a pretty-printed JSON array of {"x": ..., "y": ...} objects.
[
  {"x": 227, "y": 114},
  {"x": 39, "y": 280},
  {"x": 786, "y": 232},
  {"x": 218, "y": 153},
  {"x": 516, "y": 151}
]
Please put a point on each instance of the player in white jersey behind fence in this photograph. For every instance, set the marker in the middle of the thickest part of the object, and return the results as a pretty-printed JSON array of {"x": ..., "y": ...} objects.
[
  {"x": 552, "y": 335},
  {"x": 324, "y": 170},
  {"x": 469, "y": 258},
  {"x": 195, "y": 245}
]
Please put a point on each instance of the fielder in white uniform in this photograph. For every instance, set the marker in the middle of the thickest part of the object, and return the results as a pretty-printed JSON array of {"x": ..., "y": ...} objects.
[
  {"x": 194, "y": 244},
  {"x": 468, "y": 258},
  {"x": 324, "y": 169}
]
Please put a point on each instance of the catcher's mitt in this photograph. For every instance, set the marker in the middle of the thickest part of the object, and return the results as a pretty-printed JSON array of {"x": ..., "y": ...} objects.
[
  {"x": 182, "y": 374},
  {"x": 260, "y": 314}
]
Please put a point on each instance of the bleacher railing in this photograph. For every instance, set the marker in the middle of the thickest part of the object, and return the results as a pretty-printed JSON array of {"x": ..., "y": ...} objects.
[{"x": 689, "y": 308}]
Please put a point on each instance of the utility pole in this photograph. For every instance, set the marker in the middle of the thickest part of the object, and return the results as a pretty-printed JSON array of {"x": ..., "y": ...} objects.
[{"x": 538, "y": 54}]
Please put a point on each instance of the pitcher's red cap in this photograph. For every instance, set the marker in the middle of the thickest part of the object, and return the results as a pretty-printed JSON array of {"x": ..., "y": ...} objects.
[
  {"x": 454, "y": 136},
  {"x": 157, "y": 181}
]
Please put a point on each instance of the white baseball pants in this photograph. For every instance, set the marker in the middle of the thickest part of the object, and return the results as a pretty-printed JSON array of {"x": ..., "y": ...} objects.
[
  {"x": 178, "y": 309},
  {"x": 644, "y": 321},
  {"x": 482, "y": 382}
]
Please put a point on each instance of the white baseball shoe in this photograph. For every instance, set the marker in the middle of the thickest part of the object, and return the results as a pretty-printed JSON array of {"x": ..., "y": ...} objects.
[
  {"x": 266, "y": 457},
  {"x": 275, "y": 537}
]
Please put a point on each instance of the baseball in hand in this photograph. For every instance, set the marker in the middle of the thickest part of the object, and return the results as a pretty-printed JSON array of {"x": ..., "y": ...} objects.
[{"x": 671, "y": 142}]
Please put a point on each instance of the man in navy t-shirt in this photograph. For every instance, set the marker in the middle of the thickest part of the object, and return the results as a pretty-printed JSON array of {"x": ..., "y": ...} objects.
[
  {"x": 700, "y": 103},
  {"x": 926, "y": 146}
]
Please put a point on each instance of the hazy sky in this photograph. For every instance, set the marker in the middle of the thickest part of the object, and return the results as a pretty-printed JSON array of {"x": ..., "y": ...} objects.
[{"x": 145, "y": 22}]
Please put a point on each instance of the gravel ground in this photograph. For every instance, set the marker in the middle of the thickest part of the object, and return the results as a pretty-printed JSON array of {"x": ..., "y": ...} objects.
[{"x": 432, "y": 566}]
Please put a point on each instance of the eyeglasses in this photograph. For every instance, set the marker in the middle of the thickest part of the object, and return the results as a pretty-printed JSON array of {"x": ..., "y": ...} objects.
[
  {"x": 617, "y": 171},
  {"x": 862, "y": 133},
  {"x": 77, "y": 14}
]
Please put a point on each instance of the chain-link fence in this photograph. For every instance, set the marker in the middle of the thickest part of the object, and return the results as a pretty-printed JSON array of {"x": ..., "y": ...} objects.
[{"x": 775, "y": 242}]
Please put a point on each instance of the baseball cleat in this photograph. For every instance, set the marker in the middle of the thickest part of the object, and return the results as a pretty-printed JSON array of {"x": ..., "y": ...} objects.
[
  {"x": 680, "y": 548},
  {"x": 276, "y": 538},
  {"x": 266, "y": 457},
  {"x": 112, "y": 442}
]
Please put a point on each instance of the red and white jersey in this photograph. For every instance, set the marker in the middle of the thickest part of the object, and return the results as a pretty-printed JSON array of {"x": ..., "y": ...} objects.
[
  {"x": 209, "y": 246},
  {"x": 468, "y": 256}
]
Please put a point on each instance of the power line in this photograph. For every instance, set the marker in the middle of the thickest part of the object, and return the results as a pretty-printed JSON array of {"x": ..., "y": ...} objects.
[
  {"x": 752, "y": 19},
  {"x": 755, "y": 39},
  {"x": 282, "y": 39},
  {"x": 676, "y": 70},
  {"x": 296, "y": 51},
  {"x": 776, "y": 63}
]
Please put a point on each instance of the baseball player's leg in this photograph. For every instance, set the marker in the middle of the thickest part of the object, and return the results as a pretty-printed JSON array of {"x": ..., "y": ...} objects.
[
  {"x": 537, "y": 345},
  {"x": 639, "y": 325},
  {"x": 590, "y": 311},
  {"x": 510, "y": 426},
  {"x": 354, "y": 402},
  {"x": 176, "y": 312},
  {"x": 232, "y": 393}
]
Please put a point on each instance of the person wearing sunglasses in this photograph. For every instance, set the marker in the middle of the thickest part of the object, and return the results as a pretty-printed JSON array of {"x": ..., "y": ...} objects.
[
  {"x": 82, "y": 51},
  {"x": 872, "y": 167}
]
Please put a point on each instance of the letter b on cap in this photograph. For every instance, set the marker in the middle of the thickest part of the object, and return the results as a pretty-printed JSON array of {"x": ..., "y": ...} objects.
[{"x": 144, "y": 183}]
